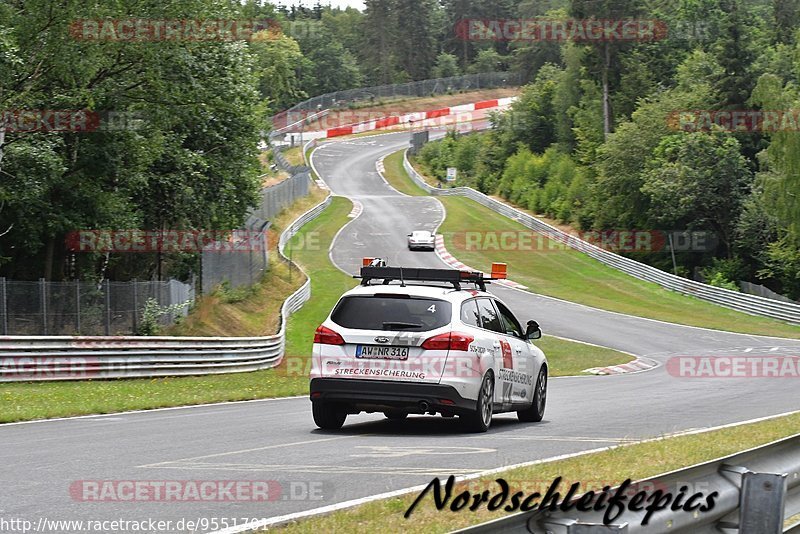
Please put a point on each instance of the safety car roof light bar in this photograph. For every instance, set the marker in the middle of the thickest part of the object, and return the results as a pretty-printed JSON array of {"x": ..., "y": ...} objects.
[{"x": 419, "y": 274}]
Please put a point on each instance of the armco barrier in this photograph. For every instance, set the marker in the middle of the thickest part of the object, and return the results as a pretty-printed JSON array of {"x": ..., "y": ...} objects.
[
  {"x": 757, "y": 491},
  {"x": 751, "y": 304},
  {"x": 41, "y": 358}
]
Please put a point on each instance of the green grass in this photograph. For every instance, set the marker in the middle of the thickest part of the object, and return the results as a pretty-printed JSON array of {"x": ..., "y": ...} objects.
[
  {"x": 310, "y": 249},
  {"x": 552, "y": 270},
  {"x": 39, "y": 400},
  {"x": 570, "y": 358},
  {"x": 397, "y": 177},
  {"x": 294, "y": 155},
  {"x": 638, "y": 461}
]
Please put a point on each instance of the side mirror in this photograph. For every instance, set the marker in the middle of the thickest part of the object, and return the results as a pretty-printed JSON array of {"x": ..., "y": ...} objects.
[
  {"x": 533, "y": 331},
  {"x": 409, "y": 235}
]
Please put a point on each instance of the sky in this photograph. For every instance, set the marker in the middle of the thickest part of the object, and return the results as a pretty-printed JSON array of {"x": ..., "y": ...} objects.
[{"x": 358, "y": 4}]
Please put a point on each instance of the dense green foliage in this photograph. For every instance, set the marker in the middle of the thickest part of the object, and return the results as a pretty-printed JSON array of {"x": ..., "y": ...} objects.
[
  {"x": 631, "y": 163},
  {"x": 192, "y": 112}
]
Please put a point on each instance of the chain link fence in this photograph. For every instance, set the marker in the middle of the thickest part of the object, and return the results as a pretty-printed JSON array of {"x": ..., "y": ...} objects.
[
  {"x": 436, "y": 86},
  {"x": 245, "y": 259},
  {"x": 85, "y": 308}
]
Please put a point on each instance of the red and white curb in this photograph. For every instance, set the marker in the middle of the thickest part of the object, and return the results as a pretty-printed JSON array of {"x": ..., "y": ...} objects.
[
  {"x": 451, "y": 261},
  {"x": 358, "y": 207},
  {"x": 410, "y": 118},
  {"x": 636, "y": 366}
]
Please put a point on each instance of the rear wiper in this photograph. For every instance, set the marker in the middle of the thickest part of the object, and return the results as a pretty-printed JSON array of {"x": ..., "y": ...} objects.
[{"x": 388, "y": 325}]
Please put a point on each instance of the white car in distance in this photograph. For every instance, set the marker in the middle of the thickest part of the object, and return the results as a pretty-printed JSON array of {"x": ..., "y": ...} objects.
[{"x": 421, "y": 240}]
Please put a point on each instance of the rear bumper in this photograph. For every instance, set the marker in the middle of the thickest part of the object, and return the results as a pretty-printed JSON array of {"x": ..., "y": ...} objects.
[{"x": 382, "y": 395}]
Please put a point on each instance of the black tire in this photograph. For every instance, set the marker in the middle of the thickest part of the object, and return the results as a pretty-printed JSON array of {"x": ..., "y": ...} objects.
[
  {"x": 395, "y": 416},
  {"x": 328, "y": 416},
  {"x": 480, "y": 419},
  {"x": 535, "y": 413}
]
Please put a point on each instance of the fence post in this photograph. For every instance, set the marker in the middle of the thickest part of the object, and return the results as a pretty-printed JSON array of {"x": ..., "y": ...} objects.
[
  {"x": 250, "y": 254},
  {"x": 107, "y": 291},
  {"x": 43, "y": 303},
  {"x": 4, "y": 304},
  {"x": 78, "y": 307},
  {"x": 762, "y": 504},
  {"x": 135, "y": 307}
]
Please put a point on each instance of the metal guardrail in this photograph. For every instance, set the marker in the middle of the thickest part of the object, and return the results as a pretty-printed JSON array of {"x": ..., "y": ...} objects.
[
  {"x": 757, "y": 491},
  {"x": 45, "y": 358},
  {"x": 751, "y": 304}
]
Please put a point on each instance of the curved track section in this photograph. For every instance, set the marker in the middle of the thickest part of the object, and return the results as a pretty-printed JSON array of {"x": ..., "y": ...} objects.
[{"x": 276, "y": 440}]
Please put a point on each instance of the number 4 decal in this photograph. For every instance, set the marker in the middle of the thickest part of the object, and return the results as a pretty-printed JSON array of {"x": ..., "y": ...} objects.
[{"x": 432, "y": 309}]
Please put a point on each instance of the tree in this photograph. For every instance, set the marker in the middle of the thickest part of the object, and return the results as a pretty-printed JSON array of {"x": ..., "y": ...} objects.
[
  {"x": 278, "y": 63},
  {"x": 414, "y": 47},
  {"x": 532, "y": 117},
  {"x": 780, "y": 176},
  {"x": 605, "y": 52},
  {"x": 698, "y": 181},
  {"x": 488, "y": 60},
  {"x": 379, "y": 32},
  {"x": 327, "y": 66},
  {"x": 446, "y": 66},
  {"x": 735, "y": 55}
]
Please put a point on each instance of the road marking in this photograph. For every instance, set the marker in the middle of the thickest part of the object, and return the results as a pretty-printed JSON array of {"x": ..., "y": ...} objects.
[
  {"x": 388, "y": 451},
  {"x": 326, "y": 469},
  {"x": 266, "y": 447},
  {"x": 562, "y": 438},
  {"x": 129, "y": 412},
  {"x": 277, "y": 520}
]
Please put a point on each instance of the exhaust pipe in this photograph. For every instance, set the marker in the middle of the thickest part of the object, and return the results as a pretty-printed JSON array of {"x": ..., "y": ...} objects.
[{"x": 424, "y": 406}]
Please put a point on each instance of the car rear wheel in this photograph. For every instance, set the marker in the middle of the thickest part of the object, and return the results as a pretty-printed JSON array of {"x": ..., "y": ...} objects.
[
  {"x": 328, "y": 416},
  {"x": 396, "y": 416},
  {"x": 480, "y": 419},
  {"x": 535, "y": 413}
]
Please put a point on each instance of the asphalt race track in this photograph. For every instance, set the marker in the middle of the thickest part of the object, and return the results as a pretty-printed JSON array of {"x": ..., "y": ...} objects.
[{"x": 276, "y": 440}]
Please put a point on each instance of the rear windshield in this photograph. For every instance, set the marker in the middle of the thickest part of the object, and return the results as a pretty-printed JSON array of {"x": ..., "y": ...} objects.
[{"x": 391, "y": 312}]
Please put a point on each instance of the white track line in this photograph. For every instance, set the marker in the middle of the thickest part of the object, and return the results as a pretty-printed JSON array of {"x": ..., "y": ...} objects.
[{"x": 396, "y": 493}]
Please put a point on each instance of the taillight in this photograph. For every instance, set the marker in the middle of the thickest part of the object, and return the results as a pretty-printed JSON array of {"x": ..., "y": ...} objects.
[
  {"x": 448, "y": 341},
  {"x": 326, "y": 336}
]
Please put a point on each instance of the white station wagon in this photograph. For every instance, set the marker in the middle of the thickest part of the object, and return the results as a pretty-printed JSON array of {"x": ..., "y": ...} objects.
[{"x": 415, "y": 341}]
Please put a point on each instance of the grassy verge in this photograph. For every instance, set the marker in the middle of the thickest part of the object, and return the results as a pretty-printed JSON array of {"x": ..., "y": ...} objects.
[
  {"x": 549, "y": 269},
  {"x": 397, "y": 177},
  {"x": 250, "y": 311},
  {"x": 39, "y": 400},
  {"x": 570, "y": 275},
  {"x": 567, "y": 358},
  {"x": 294, "y": 155},
  {"x": 310, "y": 249},
  {"x": 638, "y": 461},
  {"x": 570, "y": 358}
]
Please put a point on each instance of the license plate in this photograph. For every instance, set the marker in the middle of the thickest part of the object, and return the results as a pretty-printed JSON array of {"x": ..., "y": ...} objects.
[{"x": 381, "y": 352}]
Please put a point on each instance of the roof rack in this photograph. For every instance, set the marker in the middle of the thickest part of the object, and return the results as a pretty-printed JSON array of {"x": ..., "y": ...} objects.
[{"x": 420, "y": 274}]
